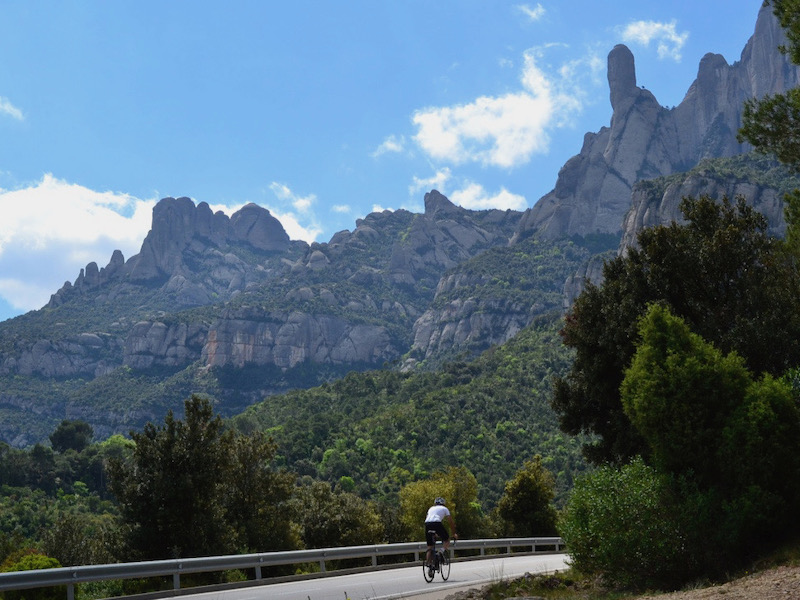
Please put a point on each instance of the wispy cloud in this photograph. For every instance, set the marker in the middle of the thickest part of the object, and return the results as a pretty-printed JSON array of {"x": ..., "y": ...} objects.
[
  {"x": 501, "y": 131},
  {"x": 52, "y": 229},
  {"x": 669, "y": 42},
  {"x": 438, "y": 181},
  {"x": 8, "y": 109},
  {"x": 533, "y": 13},
  {"x": 393, "y": 144},
  {"x": 341, "y": 208}
]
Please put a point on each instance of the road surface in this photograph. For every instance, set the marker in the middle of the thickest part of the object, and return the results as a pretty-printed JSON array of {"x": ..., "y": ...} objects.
[{"x": 396, "y": 583}]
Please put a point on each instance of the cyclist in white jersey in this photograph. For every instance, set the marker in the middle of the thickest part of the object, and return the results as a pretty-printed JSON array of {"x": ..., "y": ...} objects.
[{"x": 433, "y": 523}]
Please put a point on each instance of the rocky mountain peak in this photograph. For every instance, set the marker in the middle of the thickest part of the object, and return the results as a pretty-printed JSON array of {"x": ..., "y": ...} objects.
[
  {"x": 621, "y": 77},
  {"x": 646, "y": 140},
  {"x": 255, "y": 225},
  {"x": 438, "y": 204}
]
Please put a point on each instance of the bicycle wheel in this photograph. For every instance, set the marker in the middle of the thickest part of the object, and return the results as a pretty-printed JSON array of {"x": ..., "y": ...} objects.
[
  {"x": 427, "y": 572},
  {"x": 444, "y": 565}
]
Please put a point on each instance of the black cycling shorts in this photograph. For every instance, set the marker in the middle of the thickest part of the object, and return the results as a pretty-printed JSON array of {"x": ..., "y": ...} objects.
[{"x": 436, "y": 527}]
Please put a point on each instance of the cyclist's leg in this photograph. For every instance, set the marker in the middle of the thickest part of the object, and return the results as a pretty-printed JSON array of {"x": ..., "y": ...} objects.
[{"x": 430, "y": 540}]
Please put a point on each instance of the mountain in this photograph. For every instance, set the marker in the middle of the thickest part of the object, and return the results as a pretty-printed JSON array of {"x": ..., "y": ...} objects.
[
  {"x": 230, "y": 307},
  {"x": 646, "y": 140}
]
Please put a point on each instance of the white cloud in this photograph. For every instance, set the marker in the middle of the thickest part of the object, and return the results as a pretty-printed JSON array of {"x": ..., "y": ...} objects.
[
  {"x": 501, "y": 131},
  {"x": 534, "y": 14},
  {"x": 6, "y": 108},
  {"x": 292, "y": 220},
  {"x": 438, "y": 181},
  {"x": 391, "y": 145},
  {"x": 53, "y": 228},
  {"x": 341, "y": 208},
  {"x": 667, "y": 39},
  {"x": 475, "y": 197}
]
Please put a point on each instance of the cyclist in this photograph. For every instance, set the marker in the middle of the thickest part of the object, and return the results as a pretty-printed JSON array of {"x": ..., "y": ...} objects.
[{"x": 434, "y": 527}]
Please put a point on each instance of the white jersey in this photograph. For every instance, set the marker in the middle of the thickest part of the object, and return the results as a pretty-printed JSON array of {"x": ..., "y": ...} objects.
[{"x": 437, "y": 513}]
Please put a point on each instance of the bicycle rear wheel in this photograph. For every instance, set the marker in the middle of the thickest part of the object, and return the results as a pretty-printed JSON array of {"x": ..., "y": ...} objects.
[
  {"x": 444, "y": 564},
  {"x": 427, "y": 572}
]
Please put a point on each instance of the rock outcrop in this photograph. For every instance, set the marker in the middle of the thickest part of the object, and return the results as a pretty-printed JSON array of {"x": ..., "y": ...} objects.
[{"x": 645, "y": 140}]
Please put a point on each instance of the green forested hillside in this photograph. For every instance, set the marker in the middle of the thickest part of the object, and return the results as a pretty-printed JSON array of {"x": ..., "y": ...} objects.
[{"x": 382, "y": 429}]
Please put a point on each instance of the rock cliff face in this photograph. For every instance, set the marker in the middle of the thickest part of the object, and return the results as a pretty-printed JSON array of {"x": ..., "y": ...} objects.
[
  {"x": 658, "y": 202},
  {"x": 645, "y": 140}
]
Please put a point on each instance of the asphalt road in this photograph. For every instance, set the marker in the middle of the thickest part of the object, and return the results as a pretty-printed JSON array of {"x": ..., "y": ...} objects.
[{"x": 396, "y": 583}]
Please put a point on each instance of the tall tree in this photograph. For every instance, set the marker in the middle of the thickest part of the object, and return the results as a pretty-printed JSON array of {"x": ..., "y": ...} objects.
[
  {"x": 193, "y": 488},
  {"x": 526, "y": 506},
  {"x": 720, "y": 272}
]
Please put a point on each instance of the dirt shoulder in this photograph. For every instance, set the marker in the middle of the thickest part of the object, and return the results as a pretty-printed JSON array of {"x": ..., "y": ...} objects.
[{"x": 779, "y": 583}]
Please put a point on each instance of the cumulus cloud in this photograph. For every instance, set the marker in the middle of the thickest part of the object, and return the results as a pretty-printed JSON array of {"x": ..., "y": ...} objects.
[
  {"x": 501, "y": 131},
  {"x": 475, "y": 197},
  {"x": 341, "y": 208},
  {"x": 53, "y": 228},
  {"x": 299, "y": 221},
  {"x": 669, "y": 42},
  {"x": 8, "y": 109}
]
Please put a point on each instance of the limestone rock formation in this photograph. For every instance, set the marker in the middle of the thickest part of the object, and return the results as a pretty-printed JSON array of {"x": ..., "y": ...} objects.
[{"x": 645, "y": 140}]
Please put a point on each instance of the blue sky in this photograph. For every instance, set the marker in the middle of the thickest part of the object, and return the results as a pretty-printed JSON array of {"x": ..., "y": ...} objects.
[{"x": 320, "y": 111}]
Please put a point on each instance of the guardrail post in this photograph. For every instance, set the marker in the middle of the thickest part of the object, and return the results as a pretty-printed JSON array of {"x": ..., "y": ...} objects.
[
  {"x": 258, "y": 571},
  {"x": 70, "y": 591},
  {"x": 176, "y": 581}
]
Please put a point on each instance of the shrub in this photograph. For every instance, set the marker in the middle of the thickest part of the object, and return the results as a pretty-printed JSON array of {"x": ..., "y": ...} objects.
[{"x": 622, "y": 524}]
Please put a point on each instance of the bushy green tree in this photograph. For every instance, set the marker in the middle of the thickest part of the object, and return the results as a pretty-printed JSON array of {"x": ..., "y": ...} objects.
[
  {"x": 526, "y": 507},
  {"x": 730, "y": 443},
  {"x": 71, "y": 435},
  {"x": 182, "y": 492},
  {"x": 720, "y": 272},
  {"x": 331, "y": 517},
  {"x": 458, "y": 487},
  {"x": 259, "y": 496},
  {"x": 622, "y": 523}
]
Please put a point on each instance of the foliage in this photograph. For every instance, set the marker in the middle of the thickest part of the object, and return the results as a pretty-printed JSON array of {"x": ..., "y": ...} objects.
[
  {"x": 723, "y": 465},
  {"x": 384, "y": 429},
  {"x": 27, "y": 561},
  {"x": 177, "y": 495},
  {"x": 71, "y": 435},
  {"x": 526, "y": 507},
  {"x": 458, "y": 487},
  {"x": 331, "y": 517},
  {"x": 720, "y": 272},
  {"x": 621, "y": 522}
]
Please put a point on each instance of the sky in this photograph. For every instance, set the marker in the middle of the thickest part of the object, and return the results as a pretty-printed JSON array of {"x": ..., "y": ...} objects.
[{"x": 321, "y": 111}]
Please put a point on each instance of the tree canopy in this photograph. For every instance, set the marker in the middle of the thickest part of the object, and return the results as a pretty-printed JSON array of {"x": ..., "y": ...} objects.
[{"x": 720, "y": 272}]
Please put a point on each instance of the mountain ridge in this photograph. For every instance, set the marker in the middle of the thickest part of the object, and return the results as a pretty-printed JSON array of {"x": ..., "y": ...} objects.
[{"x": 231, "y": 307}]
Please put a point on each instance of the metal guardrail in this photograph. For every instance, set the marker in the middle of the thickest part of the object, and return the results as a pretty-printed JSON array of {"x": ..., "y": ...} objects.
[{"x": 72, "y": 576}]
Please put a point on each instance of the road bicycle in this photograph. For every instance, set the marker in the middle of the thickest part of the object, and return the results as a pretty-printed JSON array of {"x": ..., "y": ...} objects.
[{"x": 441, "y": 563}]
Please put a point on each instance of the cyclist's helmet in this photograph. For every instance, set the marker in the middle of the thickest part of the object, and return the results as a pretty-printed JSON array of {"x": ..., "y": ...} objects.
[{"x": 439, "y": 500}]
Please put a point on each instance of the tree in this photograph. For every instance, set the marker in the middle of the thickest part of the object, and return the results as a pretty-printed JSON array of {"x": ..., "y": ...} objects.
[
  {"x": 728, "y": 443},
  {"x": 71, "y": 435},
  {"x": 679, "y": 393},
  {"x": 332, "y": 517},
  {"x": 259, "y": 496},
  {"x": 194, "y": 489},
  {"x": 721, "y": 272},
  {"x": 458, "y": 487},
  {"x": 526, "y": 506},
  {"x": 170, "y": 493}
]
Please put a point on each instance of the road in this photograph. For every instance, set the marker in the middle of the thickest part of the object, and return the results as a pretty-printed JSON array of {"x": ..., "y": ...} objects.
[{"x": 396, "y": 583}]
